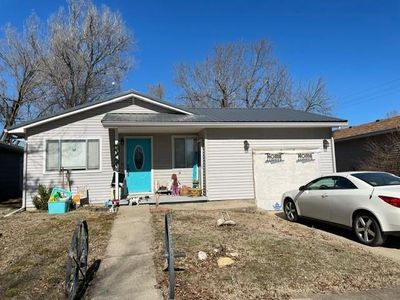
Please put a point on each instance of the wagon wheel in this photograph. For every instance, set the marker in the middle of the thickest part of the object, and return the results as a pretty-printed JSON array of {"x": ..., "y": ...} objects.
[{"x": 77, "y": 260}]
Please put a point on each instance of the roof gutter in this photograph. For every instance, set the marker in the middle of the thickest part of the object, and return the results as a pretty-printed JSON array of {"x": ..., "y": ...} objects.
[{"x": 114, "y": 124}]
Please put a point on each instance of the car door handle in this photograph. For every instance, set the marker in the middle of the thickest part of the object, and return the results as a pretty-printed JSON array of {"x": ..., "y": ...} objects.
[{"x": 324, "y": 195}]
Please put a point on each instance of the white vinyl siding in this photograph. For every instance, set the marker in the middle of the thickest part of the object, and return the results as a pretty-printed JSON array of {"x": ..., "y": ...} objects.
[
  {"x": 229, "y": 168},
  {"x": 81, "y": 126}
]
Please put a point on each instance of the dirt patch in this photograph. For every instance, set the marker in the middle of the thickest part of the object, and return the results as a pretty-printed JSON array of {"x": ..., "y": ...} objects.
[
  {"x": 10, "y": 205},
  {"x": 33, "y": 248},
  {"x": 276, "y": 258}
]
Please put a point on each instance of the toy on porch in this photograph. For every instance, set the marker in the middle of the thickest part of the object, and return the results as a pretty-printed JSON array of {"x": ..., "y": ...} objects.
[{"x": 175, "y": 185}]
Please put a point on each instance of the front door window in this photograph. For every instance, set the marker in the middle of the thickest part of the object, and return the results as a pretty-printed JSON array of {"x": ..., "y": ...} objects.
[{"x": 139, "y": 157}]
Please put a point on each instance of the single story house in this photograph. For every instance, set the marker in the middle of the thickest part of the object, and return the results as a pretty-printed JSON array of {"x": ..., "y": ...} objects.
[
  {"x": 232, "y": 153},
  {"x": 351, "y": 143},
  {"x": 11, "y": 157}
]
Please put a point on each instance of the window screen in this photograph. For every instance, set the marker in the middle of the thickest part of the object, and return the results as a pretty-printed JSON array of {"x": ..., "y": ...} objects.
[
  {"x": 73, "y": 154},
  {"x": 184, "y": 151}
]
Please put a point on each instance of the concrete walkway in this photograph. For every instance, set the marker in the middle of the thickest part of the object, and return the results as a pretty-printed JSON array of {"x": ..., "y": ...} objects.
[{"x": 128, "y": 271}]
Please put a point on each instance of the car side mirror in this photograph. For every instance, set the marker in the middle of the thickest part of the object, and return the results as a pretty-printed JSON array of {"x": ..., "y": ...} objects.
[{"x": 302, "y": 188}]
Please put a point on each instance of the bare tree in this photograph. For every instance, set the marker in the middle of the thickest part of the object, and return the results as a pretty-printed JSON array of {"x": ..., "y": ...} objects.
[
  {"x": 156, "y": 90},
  {"x": 383, "y": 154},
  {"x": 392, "y": 113},
  {"x": 84, "y": 56},
  {"x": 313, "y": 97},
  {"x": 19, "y": 85},
  {"x": 245, "y": 75}
]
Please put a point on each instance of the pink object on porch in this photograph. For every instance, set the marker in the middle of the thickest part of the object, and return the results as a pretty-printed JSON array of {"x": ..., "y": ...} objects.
[{"x": 175, "y": 185}]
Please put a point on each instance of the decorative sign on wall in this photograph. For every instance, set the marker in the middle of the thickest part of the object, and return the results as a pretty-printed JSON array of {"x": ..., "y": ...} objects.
[
  {"x": 303, "y": 157},
  {"x": 277, "y": 206},
  {"x": 273, "y": 157}
]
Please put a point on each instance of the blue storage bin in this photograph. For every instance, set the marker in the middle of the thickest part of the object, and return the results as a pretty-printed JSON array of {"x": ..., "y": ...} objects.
[{"x": 58, "y": 207}]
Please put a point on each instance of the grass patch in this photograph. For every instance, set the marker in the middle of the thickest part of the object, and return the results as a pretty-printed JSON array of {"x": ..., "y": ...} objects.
[
  {"x": 33, "y": 249},
  {"x": 277, "y": 259}
]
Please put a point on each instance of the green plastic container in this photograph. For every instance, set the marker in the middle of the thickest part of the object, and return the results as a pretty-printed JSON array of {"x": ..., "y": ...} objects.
[{"x": 58, "y": 207}]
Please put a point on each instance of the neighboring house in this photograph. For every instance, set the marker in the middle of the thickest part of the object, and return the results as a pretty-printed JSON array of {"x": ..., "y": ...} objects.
[
  {"x": 234, "y": 153},
  {"x": 350, "y": 143},
  {"x": 11, "y": 162}
]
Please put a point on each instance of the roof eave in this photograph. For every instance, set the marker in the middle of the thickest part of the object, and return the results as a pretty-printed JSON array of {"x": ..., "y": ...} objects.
[
  {"x": 22, "y": 128},
  {"x": 365, "y": 135},
  {"x": 115, "y": 124}
]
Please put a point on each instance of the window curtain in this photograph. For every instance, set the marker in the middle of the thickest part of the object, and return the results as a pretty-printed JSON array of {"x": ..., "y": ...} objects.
[
  {"x": 93, "y": 154},
  {"x": 52, "y": 156}
]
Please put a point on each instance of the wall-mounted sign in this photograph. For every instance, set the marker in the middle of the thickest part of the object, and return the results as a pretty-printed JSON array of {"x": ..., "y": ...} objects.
[
  {"x": 274, "y": 157},
  {"x": 305, "y": 157}
]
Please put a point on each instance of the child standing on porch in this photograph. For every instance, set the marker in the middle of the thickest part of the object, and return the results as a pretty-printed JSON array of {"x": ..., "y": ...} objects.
[{"x": 175, "y": 185}]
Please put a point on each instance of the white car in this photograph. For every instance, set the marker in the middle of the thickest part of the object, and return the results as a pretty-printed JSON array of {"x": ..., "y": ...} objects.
[{"x": 367, "y": 202}]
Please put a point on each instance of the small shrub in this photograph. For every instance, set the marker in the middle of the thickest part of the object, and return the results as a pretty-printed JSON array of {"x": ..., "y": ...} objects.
[{"x": 40, "y": 200}]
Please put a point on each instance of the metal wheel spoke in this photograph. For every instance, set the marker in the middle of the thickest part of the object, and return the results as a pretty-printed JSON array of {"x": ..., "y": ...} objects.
[
  {"x": 360, "y": 229},
  {"x": 369, "y": 222},
  {"x": 371, "y": 233},
  {"x": 361, "y": 220},
  {"x": 365, "y": 236}
]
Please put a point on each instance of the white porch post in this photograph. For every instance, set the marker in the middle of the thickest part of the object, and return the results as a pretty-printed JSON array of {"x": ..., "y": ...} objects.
[{"x": 116, "y": 166}]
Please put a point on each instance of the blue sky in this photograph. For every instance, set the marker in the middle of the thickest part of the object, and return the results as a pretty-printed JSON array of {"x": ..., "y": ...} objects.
[{"x": 354, "y": 45}]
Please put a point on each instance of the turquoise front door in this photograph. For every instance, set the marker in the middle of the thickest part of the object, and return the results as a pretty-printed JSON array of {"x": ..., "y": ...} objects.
[{"x": 138, "y": 165}]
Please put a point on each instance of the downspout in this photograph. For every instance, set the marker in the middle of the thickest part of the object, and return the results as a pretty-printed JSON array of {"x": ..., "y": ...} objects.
[
  {"x": 23, "y": 207},
  {"x": 333, "y": 153}
]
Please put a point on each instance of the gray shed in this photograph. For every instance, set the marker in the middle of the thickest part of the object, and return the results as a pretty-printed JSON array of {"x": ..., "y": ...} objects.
[{"x": 11, "y": 165}]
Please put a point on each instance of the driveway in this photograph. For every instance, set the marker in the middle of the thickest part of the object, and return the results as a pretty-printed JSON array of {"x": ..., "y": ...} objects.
[{"x": 390, "y": 249}]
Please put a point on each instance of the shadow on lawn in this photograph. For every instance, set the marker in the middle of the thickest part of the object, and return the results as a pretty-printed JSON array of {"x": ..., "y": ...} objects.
[
  {"x": 391, "y": 242},
  {"x": 90, "y": 274}
]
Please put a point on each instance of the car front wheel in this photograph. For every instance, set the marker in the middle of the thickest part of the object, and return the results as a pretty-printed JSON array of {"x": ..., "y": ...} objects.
[
  {"x": 367, "y": 230},
  {"x": 290, "y": 210}
]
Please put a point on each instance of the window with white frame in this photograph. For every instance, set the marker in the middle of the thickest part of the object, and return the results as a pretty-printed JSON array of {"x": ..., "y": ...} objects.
[
  {"x": 184, "y": 152},
  {"x": 73, "y": 154}
]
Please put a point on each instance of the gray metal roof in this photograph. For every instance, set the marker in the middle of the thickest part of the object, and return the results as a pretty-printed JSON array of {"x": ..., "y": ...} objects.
[
  {"x": 262, "y": 115},
  {"x": 200, "y": 114},
  {"x": 205, "y": 115}
]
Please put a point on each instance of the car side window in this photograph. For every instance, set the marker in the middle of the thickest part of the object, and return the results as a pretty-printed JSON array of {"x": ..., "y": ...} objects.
[
  {"x": 342, "y": 183},
  {"x": 325, "y": 183}
]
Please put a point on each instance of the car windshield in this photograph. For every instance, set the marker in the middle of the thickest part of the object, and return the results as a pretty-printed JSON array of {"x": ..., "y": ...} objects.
[{"x": 378, "y": 179}]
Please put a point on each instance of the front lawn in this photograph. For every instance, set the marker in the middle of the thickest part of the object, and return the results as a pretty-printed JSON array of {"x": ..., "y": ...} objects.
[
  {"x": 276, "y": 259},
  {"x": 33, "y": 249}
]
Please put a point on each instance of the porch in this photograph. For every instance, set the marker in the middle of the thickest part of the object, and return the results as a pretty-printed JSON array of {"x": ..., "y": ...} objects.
[
  {"x": 146, "y": 159},
  {"x": 167, "y": 199}
]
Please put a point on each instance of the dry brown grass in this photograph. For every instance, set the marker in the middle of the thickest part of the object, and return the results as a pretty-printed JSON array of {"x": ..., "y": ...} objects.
[
  {"x": 33, "y": 248},
  {"x": 277, "y": 259}
]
